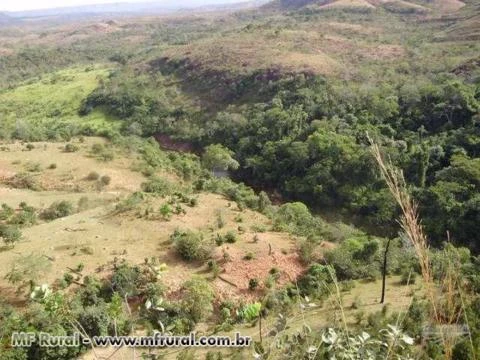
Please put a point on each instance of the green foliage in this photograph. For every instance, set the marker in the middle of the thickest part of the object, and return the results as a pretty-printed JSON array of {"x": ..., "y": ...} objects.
[
  {"x": 166, "y": 211},
  {"x": 57, "y": 210},
  {"x": 250, "y": 312},
  {"x": 316, "y": 280},
  {"x": 10, "y": 234},
  {"x": 217, "y": 157},
  {"x": 230, "y": 237},
  {"x": 130, "y": 203},
  {"x": 158, "y": 186},
  {"x": 70, "y": 148},
  {"x": 191, "y": 245},
  {"x": 26, "y": 216},
  {"x": 297, "y": 219},
  {"x": 197, "y": 300},
  {"x": 355, "y": 258},
  {"x": 94, "y": 320},
  {"x": 253, "y": 284},
  {"x": 125, "y": 280}
]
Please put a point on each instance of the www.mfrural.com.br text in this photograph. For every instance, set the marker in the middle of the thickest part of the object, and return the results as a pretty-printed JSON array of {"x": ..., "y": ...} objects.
[{"x": 26, "y": 339}]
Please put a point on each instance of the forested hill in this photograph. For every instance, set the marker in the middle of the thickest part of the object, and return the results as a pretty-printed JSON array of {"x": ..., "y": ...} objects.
[{"x": 294, "y": 93}]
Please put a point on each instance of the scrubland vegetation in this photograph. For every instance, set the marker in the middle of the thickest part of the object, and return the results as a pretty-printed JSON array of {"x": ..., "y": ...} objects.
[{"x": 306, "y": 173}]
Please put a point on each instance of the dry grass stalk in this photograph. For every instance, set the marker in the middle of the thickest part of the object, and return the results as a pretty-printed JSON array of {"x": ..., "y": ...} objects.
[{"x": 443, "y": 297}]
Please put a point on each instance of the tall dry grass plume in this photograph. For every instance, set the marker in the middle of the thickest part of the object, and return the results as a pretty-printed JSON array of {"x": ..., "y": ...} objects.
[{"x": 444, "y": 291}]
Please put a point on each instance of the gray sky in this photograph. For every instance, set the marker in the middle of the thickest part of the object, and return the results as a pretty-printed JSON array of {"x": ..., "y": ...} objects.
[{"x": 17, "y": 5}]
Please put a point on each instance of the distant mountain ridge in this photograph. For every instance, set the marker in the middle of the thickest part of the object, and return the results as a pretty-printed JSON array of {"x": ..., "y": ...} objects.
[
  {"x": 395, "y": 6},
  {"x": 137, "y": 8},
  {"x": 5, "y": 19}
]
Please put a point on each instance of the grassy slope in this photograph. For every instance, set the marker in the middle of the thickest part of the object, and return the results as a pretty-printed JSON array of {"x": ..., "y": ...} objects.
[{"x": 55, "y": 98}]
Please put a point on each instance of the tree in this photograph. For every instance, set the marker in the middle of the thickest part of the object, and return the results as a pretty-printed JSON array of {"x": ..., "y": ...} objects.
[
  {"x": 218, "y": 157},
  {"x": 384, "y": 269}
]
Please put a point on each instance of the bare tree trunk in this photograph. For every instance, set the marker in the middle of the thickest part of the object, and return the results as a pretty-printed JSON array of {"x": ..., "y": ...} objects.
[
  {"x": 260, "y": 326},
  {"x": 384, "y": 270}
]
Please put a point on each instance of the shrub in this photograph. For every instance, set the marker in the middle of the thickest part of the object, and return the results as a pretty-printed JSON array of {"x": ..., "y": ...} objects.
[
  {"x": 198, "y": 299},
  {"x": 355, "y": 258},
  {"x": 93, "y": 176},
  {"x": 249, "y": 256},
  {"x": 52, "y": 166},
  {"x": 10, "y": 234},
  {"x": 102, "y": 152},
  {"x": 190, "y": 245},
  {"x": 220, "y": 219},
  {"x": 213, "y": 266},
  {"x": 106, "y": 155},
  {"x": 166, "y": 211},
  {"x": 307, "y": 251},
  {"x": 70, "y": 148},
  {"x": 314, "y": 281},
  {"x": 97, "y": 148},
  {"x": 219, "y": 240},
  {"x": 30, "y": 147},
  {"x": 129, "y": 203},
  {"x": 94, "y": 320},
  {"x": 68, "y": 278},
  {"x": 408, "y": 277},
  {"x": 250, "y": 312},
  {"x": 33, "y": 167},
  {"x": 83, "y": 203},
  {"x": 23, "y": 181},
  {"x": 125, "y": 280},
  {"x": 57, "y": 210},
  {"x": 230, "y": 237},
  {"x": 26, "y": 217},
  {"x": 105, "y": 180},
  {"x": 252, "y": 284},
  {"x": 157, "y": 186},
  {"x": 6, "y": 212},
  {"x": 297, "y": 219}
]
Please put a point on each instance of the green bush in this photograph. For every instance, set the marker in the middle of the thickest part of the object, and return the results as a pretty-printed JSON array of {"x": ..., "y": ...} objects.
[
  {"x": 94, "y": 320},
  {"x": 408, "y": 276},
  {"x": 230, "y": 237},
  {"x": 157, "y": 186},
  {"x": 315, "y": 280},
  {"x": 253, "y": 284},
  {"x": 130, "y": 203},
  {"x": 166, "y": 211},
  {"x": 355, "y": 258},
  {"x": 10, "y": 234},
  {"x": 68, "y": 278},
  {"x": 198, "y": 299},
  {"x": 57, "y": 210},
  {"x": 70, "y": 148},
  {"x": 26, "y": 217},
  {"x": 191, "y": 245},
  {"x": 125, "y": 280},
  {"x": 249, "y": 256}
]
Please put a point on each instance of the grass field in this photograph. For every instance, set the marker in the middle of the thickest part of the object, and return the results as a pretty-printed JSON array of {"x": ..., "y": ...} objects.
[
  {"x": 129, "y": 236},
  {"x": 55, "y": 99}
]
